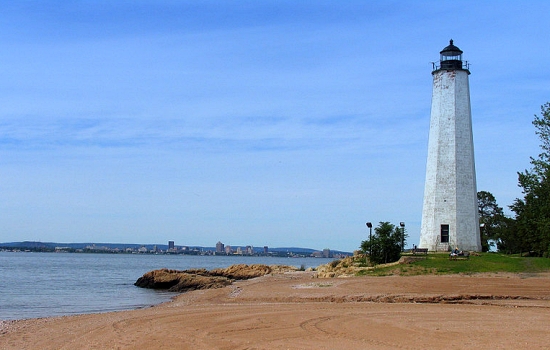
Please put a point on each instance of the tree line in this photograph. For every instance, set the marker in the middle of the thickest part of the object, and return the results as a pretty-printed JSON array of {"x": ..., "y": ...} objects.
[{"x": 528, "y": 231}]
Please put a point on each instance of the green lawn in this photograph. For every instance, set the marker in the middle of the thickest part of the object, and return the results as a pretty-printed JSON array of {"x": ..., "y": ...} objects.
[{"x": 439, "y": 263}]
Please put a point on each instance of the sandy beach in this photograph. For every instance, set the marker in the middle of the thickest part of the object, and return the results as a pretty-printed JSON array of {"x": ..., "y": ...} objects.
[{"x": 296, "y": 311}]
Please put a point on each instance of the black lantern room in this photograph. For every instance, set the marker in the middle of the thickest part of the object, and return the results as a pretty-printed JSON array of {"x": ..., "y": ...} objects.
[{"x": 451, "y": 57}]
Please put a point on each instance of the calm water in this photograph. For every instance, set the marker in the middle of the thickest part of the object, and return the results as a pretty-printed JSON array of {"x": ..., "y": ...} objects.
[{"x": 53, "y": 284}]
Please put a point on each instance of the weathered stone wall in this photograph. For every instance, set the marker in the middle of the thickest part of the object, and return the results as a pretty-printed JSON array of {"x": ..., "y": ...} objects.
[{"x": 450, "y": 193}]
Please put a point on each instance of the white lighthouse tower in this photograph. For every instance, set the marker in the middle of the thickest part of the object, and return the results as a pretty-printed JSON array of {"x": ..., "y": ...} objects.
[{"x": 450, "y": 213}]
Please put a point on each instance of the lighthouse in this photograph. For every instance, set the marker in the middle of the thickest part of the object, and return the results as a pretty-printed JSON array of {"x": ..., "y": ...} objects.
[{"x": 450, "y": 211}]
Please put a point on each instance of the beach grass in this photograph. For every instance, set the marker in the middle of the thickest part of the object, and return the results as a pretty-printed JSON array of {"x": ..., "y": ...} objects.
[{"x": 439, "y": 263}]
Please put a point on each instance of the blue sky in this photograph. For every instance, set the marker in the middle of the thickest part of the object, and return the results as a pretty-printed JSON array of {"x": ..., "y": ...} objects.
[{"x": 279, "y": 123}]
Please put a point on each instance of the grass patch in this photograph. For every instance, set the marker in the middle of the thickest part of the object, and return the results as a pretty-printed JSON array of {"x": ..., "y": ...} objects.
[{"x": 439, "y": 263}]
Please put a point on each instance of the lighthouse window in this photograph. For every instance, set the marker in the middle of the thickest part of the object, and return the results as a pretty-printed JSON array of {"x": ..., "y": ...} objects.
[
  {"x": 451, "y": 58},
  {"x": 444, "y": 233}
]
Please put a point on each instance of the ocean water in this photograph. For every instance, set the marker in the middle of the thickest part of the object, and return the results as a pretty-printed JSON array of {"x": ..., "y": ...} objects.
[{"x": 34, "y": 285}]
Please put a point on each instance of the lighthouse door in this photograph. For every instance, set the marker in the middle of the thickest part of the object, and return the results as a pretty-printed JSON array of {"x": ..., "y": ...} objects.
[{"x": 444, "y": 234}]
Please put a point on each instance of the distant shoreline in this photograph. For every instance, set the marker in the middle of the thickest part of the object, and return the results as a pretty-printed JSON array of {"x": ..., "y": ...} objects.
[
  {"x": 132, "y": 248},
  {"x": 274, "y": 255}
]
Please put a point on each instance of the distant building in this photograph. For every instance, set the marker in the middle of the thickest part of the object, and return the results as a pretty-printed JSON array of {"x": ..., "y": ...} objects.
[
  {"x": 228, "y": 249},
  {"x": 317, "y": 254},
  {"x": 326, "y": 253},
  {"x": 220, "y": 247},
  {"x": 266, "y": 249},
  {"x": 239, "y": 251},
  {"x": 171, "y": 245},
  {"x": 249, "y": 250}
]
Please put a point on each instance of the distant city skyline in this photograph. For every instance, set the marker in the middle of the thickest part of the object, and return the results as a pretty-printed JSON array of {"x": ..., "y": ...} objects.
[
  {"x": 170, "y": 248},
  {"x": 274, "y": 123}
]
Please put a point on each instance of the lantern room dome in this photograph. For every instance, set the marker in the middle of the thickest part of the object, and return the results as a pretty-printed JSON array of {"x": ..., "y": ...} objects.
[
  {"x": 451, "y": 58},
  {"x": 451, "y": 50}
]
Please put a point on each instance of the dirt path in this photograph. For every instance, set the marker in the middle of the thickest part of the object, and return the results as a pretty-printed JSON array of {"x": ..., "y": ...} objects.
[{"x": 294, "y": 311}]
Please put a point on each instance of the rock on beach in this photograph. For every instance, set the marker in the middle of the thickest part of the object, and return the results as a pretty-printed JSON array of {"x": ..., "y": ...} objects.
[{"x": 196, "y": 279}]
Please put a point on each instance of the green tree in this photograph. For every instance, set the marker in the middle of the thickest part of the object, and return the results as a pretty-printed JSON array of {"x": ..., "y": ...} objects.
[
  {"x": 385, "y": 244},
  {"x": 508, "y": 241},
  {"x": 491, "y": 218},
  {"x": 533, "y": 211}
]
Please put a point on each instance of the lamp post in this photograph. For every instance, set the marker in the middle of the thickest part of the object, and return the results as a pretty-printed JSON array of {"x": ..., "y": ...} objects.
[
  {"x": 402, "y": 224},
  {"x": 369, "y": 225}
]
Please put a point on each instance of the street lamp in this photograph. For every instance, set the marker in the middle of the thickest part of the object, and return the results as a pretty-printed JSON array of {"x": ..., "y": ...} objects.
[
  {"x": 369, "y": 225},
  {"x": 402, "y": 224}
]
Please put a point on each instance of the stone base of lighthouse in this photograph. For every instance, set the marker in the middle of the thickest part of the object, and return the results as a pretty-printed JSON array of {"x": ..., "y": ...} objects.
[{"x": 450, "y": 211}]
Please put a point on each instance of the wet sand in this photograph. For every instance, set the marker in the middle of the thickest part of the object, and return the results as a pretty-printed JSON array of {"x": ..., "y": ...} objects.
[{"x": 296, "y": 311}]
